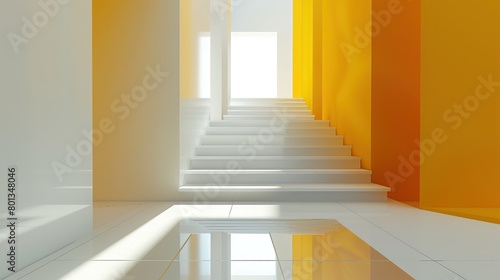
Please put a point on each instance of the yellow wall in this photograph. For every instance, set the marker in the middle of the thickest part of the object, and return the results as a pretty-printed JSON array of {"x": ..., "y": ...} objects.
[
  {"x": 139, "y": 159},
  {"x": 460, "y": 44},
  {"x": 188, "y": 51},
  {"x": 346, "y": 72},
  {"x": 303, "y": 51},
  {"x": 332, "y": 67},
  {"x": 195, "y": 21},
  {"x": 396, "y": 96}
]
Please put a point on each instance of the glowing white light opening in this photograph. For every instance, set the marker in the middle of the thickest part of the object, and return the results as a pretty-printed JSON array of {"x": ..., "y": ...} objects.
[
  {"x": 254, "y": 65},
  {"x": 204, "y": 66}
]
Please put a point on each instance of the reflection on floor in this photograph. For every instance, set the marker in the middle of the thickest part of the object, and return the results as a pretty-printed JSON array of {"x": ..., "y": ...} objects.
[
  {"x": 295, "y": 241},
  {"x": 276, "y": 250}
]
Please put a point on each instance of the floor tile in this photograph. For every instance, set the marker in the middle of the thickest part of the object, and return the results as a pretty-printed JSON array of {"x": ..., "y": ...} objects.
[
  {"x": 291, "y": 211},
  {"x": 158, "y": 239},
  {"x": 428, "y": 270},
  {"x": 481, "y": 270},
  {"x": 99, "y": 270},
  {"x": 108, "y": 214}
]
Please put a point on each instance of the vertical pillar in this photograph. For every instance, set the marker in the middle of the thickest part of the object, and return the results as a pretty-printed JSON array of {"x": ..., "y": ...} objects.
[
  {"x": 317, "y": 59},
  {"x": 220, "y": 45},
  {"x": 284, "y": 253},
  {"x": 221, "y": 256}
]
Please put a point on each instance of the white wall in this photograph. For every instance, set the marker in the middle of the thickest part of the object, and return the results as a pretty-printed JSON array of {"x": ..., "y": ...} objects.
[
  {"x": 45, "y": 107},
  {"x": 194, "y": 94},
  {"x": 269, "y": 16}
]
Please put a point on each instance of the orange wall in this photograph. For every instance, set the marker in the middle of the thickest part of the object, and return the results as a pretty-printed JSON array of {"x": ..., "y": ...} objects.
[
  {"x": 139, "y": 159},
  {"x": 460, "y": 44},
  {"x": 346, "y": 73},
  {"x": 396, "y": 96}
]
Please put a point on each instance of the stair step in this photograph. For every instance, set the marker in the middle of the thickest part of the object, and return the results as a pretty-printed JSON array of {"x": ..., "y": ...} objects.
[
  {"x": 286, "y": 111},
  {"x": 270, "y": 123},
  {"x": 281, "y": 105},
  {"x": 264, "y": 147},
  {"x": 268, "y": 106},
  {"x": 270, "y": 139},
  {"x": 274, "y": 162},
  {"x": 286, "y": 176},
  {"x": 321, "y": 131},
  {"x": 268, "y": 117},
  {"x": 266, "y": 100},
  {"x": 370, "y": 187},
  {"x": 236, "y": 150}
]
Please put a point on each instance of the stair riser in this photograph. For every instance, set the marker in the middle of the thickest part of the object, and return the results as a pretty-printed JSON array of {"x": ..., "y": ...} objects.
[
  {"x": 269, "y": 123},
  {"x": 279, "y": 131},
  {"x": 260, "y": 141},
  {"x": 268, "y": 112},
  {"x": 268, "y": 117},
  {"x": 350, "y": 163},
  {"x": 221, "y": 179},
  {"x": 269, "y": 107},
  {"x": 262, "y": 99},
  {"x": 275, "y": 151},
  {"x": 269, "y": 101}
]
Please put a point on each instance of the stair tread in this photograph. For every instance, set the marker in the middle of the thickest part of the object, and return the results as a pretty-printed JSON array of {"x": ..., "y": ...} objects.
[
  {"x": 291, "y": 121},
  {"x": 354, "y": 187},
  {"x": 287, "y": 128},
  {"x": 274, "y": 157},
  {"x": 300, "y": 110},
  {"x": 276, "y": 146},
  {"x": 272, "y": 115},
  {"x": 268, "y": 105},
  {"x": 267, "y": 99},
  {"x": 308, "y": 121},
  {"x": 276, "y": 135},
  {"x": 280, "y": 171}
]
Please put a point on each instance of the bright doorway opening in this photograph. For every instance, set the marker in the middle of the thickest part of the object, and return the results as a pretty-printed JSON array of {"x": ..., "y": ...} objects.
[{"x": 254, "y": 65}]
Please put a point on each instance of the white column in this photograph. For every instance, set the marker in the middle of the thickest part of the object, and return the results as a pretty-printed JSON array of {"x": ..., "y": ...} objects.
[
  {"x": 283, "y": 245},
  {"x": 220, "y": 256},
  {"x": 220, "y": 44}
]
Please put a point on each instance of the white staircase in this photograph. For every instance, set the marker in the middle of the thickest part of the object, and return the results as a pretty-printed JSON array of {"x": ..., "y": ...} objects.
[{"x": 275, "y": 146}]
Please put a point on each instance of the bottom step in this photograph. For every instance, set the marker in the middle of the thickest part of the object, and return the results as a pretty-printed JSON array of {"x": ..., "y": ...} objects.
[
  {"x": 235, "y": 177},
  {"x": 293, "y": 188},
  {"x": 291, "y": 192}
]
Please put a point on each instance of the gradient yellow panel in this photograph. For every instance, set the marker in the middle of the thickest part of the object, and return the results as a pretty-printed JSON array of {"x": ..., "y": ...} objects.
[
  {"x": 140, "y": 159},
  {"x": 188, "y": 51},
  {"x": 346, "y": 74},
  {"x": 297, "y": 48},
  {"x": 317, "y": 87},
  {"x": 303, "y": 33},
  {"x": 460, "y": 98},
  {"x": 396, "y": 96},
  {"x": 308, "y": 49}
]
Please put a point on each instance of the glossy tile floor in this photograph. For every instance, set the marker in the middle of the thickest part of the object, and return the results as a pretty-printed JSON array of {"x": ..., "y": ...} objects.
[{"x": 145, "y": 240}]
